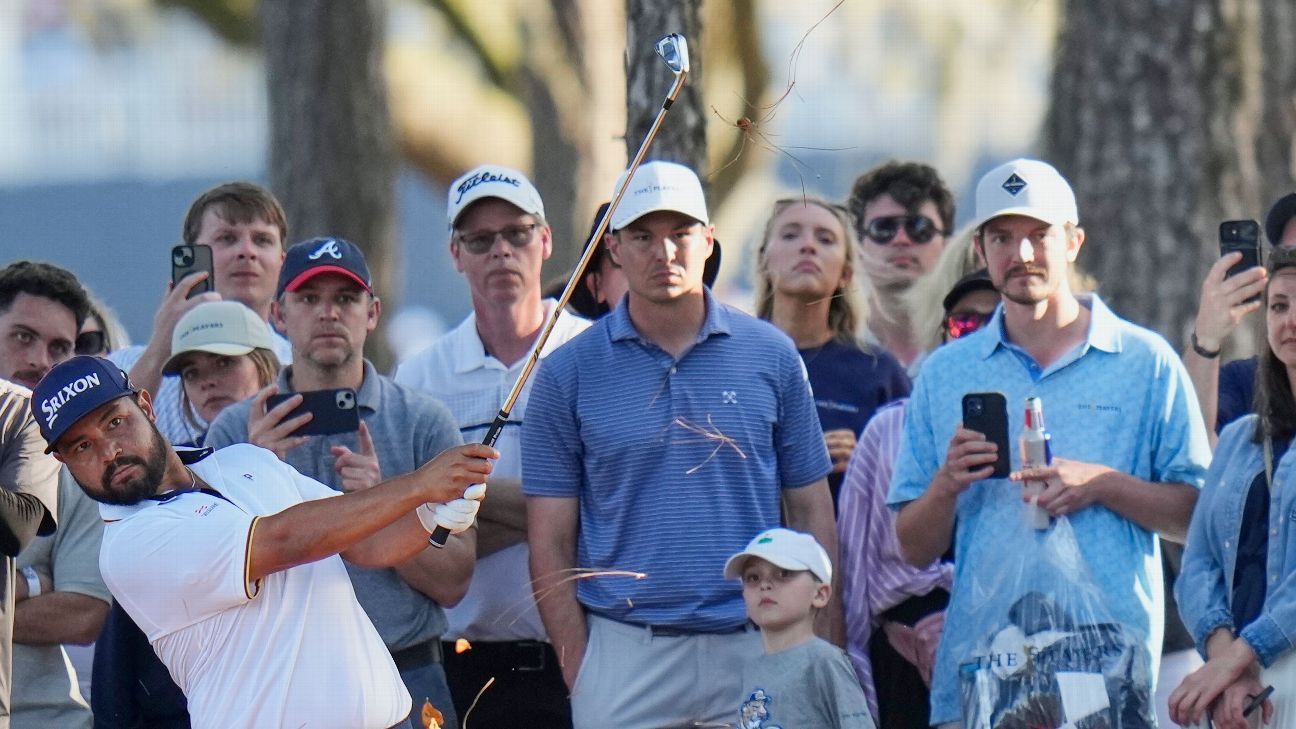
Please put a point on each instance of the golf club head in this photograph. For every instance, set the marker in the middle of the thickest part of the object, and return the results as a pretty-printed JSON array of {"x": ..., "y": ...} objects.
[{"x": 674, "y": 50}]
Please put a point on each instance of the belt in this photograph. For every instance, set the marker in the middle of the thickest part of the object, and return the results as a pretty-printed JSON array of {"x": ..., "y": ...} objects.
[
  {"x": 417, "y": 655},
  {"x": 525, "y": 656},
  {"x": 676, "y": 631}
]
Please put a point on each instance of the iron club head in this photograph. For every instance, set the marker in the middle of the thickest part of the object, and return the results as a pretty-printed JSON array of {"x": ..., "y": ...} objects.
[{"x": 674, "y": 50}]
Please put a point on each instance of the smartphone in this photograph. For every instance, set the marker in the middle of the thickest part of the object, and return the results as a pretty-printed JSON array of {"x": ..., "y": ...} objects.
[
  {"x": 334, "y": 410},
  {"x": 1242, "y": 236},
  {"x": 186, "y": 259},
  {"x": 987, "y": 413}
]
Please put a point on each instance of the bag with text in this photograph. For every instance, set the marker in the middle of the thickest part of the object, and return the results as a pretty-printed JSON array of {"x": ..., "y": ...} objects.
[{"x": 1044, "y": 652}]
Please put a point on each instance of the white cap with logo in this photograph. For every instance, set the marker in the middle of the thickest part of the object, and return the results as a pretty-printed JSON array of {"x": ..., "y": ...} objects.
[
  {"x": 492, "y": 181},
  {"x": 784, "y": 548},
  {"x": 1026, "y": 187},
  {"x": 217, "y": 327},
  {"x": 657, "y": 186}
]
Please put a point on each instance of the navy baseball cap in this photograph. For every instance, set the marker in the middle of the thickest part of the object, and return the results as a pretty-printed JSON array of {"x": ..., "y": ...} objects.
[
  {"x": 310, "y": 258},
  {"x": 72, "y": 390}
]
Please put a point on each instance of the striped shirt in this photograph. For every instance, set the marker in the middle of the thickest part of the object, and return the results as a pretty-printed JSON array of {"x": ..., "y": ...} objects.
[
  {"x": 171, "y": 420},
  {"x": 677, "y": 463},
  {"x": 874, "y": 577}
]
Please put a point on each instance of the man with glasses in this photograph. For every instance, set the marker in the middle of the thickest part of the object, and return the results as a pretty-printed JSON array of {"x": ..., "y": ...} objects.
[
  {"x": 498, "y": 241},
  {"x": 326, "y": 304},
  {"x": 1129, "y": 448},
  {"x": 657, "y": 443},
  {"x": 903, "y": 213},
  {"x": 60, "y": 597}
]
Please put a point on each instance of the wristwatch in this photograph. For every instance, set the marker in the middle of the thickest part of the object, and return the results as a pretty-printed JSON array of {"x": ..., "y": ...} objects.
[
  {"x": 33, "y": 581},
  {"x": 1202, "y": 351}
]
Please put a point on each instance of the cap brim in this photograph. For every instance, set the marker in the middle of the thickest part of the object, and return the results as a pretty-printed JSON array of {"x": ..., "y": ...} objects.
[
  {"x": 964, "y": 288},
  {"x": 311, "y": 273},
  {"x": 49, "y": 448},
  {"x": 1279, "y": 214},
  {"x": 733, "y": 567},
  {"x": 172, "y": 366},
  {"x": 1027, "y": 212}
]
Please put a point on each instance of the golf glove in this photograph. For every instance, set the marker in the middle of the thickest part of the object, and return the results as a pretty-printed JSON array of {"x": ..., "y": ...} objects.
[{"x": 456, "y": 515}]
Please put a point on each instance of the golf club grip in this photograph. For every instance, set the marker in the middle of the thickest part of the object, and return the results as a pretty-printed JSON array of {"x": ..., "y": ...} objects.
[{"x": 441, "y": 534}]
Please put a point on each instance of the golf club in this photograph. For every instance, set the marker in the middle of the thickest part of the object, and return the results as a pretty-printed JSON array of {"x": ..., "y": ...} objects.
[{"x": 674, "y": 51}]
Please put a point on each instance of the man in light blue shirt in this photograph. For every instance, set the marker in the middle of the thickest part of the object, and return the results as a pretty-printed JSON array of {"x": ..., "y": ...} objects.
[{"x": 1129, "y": 444}]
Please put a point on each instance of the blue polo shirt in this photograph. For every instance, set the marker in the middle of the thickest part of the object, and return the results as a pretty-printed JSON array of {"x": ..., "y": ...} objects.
[
  {"x": 677, "y": 463},
  {"x": 1121, "y": 399}
]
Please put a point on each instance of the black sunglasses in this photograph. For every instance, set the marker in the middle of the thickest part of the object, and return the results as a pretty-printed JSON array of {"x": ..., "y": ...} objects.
[
  {"x": 92, "y": 343},
  {"x": 919, "y": 228}
]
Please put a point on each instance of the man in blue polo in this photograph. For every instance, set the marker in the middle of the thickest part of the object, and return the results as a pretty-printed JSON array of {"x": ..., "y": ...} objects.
[
  {"x": 1129, "y": 447},
  {"x": 656, "y": 443}
]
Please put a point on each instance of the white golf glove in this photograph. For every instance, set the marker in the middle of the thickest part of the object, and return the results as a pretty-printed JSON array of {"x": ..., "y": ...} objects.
[{"x": 456, "y": 515}]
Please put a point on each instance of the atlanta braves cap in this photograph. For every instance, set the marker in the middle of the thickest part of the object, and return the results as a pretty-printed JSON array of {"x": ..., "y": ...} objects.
[
  {"x": 492, "y": 181},
  {"x": 72, "y": 390},
  {"x": 1025, "y": 187},
  {"x": 310, "y": 258},
  {"x": 784, "y": 548},
  {"x": 657, "y": 186}
]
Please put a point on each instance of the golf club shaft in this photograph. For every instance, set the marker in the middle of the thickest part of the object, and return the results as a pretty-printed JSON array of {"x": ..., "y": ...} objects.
[{"x": 441, "y": 534}]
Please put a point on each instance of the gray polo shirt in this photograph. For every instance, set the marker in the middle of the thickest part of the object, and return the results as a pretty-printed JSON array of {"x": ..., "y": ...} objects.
[{"x": 409, "y": 428}]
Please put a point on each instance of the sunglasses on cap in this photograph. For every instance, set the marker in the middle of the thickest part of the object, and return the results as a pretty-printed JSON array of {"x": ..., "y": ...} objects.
[
  {"x": 518, "y": 236},
  {"x": 92, "y": 343},
  {"x": 919, "y": 228},
  {"x": 962, "y": 324}
]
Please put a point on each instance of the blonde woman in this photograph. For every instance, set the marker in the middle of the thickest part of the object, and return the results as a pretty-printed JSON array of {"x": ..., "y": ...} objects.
[{"x": 806, "y": 287}]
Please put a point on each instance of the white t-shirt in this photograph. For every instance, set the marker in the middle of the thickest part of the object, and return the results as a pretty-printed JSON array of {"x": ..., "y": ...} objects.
[
  {"x": 294, "y": 649},
  {"x": 456, "y": 370}
]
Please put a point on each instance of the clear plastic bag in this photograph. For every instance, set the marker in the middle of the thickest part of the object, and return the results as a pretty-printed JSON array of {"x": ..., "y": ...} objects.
[{"x": 1054, "y": 658}]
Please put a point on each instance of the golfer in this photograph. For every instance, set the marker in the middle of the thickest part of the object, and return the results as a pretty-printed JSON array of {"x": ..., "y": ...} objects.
[{"x": 229, "y": 560}]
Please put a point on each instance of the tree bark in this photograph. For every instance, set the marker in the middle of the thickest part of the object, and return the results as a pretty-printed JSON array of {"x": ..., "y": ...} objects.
[
  {"x": 1167, "y": 120},
  {"x": 683, "y": 135},
  {"x": 332, "y": 156}
]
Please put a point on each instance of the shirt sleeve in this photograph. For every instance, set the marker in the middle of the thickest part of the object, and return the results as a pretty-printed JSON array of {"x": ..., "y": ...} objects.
[
  {"x": 552, "y": 450},
  {"x": 25, "y": 467},
  {"x": 919, "y": 457},
  {"x": 178, "y": 563},
  {"x": 798, "y": 436},
  {"x": 230, "y": 427},
  {"x": 75, "y": 557},
  {"x": 1182, "y": 451},
  {"x": 842, "y": 694}
]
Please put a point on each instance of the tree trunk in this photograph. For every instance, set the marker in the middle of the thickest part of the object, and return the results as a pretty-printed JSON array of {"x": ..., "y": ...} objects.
[
  {"x": 1159, "y": 120},
  {"x": 332, "y": 158},
  {"x": 683, "y": 135}
]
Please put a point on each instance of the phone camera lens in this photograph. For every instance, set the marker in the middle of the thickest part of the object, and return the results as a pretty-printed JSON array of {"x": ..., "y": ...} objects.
[{"x": 976, "y": 406}]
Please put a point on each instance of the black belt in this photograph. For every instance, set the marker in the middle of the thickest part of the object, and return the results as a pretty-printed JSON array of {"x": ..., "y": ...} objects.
[
  {"x": 417, "y": 656},
  {"x": 517, "y": 655},
  {"x": 677, "y": 631}
]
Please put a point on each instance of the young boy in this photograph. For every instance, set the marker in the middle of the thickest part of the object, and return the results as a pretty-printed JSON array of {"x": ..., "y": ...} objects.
[{"x": 802, "y": 681}]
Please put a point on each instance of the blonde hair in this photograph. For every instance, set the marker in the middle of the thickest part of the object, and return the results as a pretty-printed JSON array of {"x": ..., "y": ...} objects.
[
  {"x": 925, "y": 299},
  {"x": 847, "y": 311},
  {"x": 267, "y": 370}
]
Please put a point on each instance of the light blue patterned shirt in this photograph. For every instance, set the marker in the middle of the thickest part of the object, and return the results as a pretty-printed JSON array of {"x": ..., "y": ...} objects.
[{"x": 1121, "y": 399}]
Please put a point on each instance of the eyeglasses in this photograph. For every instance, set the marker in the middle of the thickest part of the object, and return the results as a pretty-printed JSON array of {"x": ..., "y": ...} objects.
[
  {"x": 919, "y": 228},
  {"x": 962, "y": 324},
  {"x": 518, "y": 236},
  {"x": 92, "y": 343}
]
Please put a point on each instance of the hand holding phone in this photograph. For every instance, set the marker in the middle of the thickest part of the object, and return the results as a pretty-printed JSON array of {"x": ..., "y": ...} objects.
[
  {"x": 1242, "y": 236},
  {"x": 987, "y": 413},
  {"x": 332, "y": 411}
]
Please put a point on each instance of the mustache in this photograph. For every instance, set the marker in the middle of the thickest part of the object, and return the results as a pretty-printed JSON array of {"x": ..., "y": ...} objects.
[
  {"x": 119, "y": 463},
  {"x": 1025, "y": 271}
]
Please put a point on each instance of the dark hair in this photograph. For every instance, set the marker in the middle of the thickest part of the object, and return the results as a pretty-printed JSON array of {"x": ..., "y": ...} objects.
[
  {"x": 1274, "y": 403},
  {"x": 35, "y": 278},
  {"x": 909, "y": 183},
  {"x": 236, "y": 202}
]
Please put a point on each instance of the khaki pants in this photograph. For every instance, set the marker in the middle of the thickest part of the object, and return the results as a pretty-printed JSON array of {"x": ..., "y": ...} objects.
[{"x": 632, "y": 679}]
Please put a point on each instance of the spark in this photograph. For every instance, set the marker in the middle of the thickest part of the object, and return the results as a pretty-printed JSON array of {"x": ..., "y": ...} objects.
[
  {"x": 475, "y": 700},
  {"x": 579, "y": 573},
  {"x": 714, "y": 434}
]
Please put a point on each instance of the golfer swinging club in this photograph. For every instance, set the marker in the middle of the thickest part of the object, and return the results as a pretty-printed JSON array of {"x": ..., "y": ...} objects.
[{"x": 229, "y": 560}]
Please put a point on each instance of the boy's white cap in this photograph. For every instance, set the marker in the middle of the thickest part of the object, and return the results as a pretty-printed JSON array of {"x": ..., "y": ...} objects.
[
  {"x": 217, "y": 327},
  {"x": 787, "y": 549},
  {"x": 492, "y": 181},
  {"x": 1025, "y": 187},
  {"x": 657, "y": 186}
]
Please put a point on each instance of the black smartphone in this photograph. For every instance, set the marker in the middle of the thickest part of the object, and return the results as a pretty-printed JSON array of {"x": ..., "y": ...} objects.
[
  {"x": 334, "y": 410},
  {"x": 186, "y": 259},
  {"x": 1242, "y": 236},
  {"x": 987, "y": 413}
]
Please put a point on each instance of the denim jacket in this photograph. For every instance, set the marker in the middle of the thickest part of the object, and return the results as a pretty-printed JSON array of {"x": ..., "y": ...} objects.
[{"x": 1205, "y": 584}]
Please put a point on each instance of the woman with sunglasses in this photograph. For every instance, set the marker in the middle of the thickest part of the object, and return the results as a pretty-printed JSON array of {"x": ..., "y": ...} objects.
[
  {"x": 805, "y": 287},
  {"x": 895, "y": 612},
  {"x": 101, "y": 332},
  {"x": 1237, "y": 590}
]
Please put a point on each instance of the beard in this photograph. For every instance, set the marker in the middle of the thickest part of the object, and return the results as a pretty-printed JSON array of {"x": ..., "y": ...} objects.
[{"x": 134, "y": 490}]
